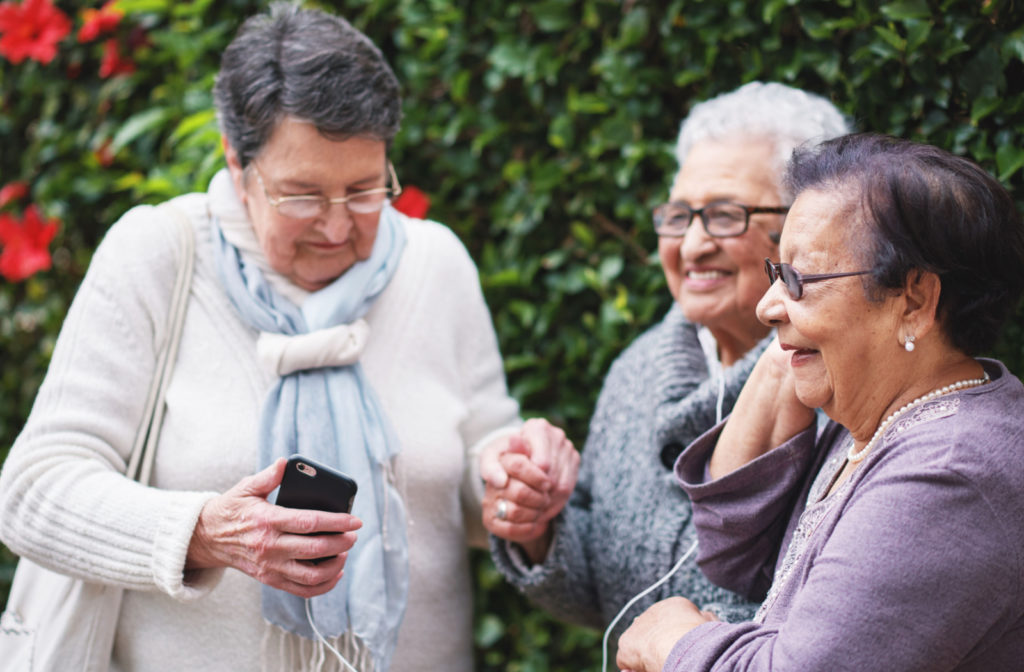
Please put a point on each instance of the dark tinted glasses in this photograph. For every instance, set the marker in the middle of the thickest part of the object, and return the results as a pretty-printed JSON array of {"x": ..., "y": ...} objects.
[
  {"x": 721, "y": 219},
  {"x": 795, "y": 280}
]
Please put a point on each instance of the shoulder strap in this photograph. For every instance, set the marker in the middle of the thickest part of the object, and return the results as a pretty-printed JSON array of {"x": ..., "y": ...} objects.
[{"x": 140, "y": 465}]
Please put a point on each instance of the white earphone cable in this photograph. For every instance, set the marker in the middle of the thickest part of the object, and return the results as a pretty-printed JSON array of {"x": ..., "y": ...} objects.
[
  {"x": 341, "y": 658},
  {"x": 611, "y": 626}
]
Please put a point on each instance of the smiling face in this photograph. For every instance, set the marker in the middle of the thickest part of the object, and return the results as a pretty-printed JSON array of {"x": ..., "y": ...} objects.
[
  {"x": 844, "y": 348},
  {"x": 298, "y": 160},
  {"x": 718, "y": 281}
]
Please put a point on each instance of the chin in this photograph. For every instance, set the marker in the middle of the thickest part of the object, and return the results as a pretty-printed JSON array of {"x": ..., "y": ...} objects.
[{"x": 812, "y": 395}]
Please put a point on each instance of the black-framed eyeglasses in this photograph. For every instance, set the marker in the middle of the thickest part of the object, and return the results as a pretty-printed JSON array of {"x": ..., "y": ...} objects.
[
  {"x": 721, "y": 219},
  {"x": 308, "y": 206},
  {"x": 795, "y": 280}
]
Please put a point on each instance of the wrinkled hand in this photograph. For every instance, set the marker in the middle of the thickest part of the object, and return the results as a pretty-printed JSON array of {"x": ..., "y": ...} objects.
[
  {"x": 273, "y": 544},
  {"x": 646, "y": 644},
  {"x": 766, "y": 414},
  {"x": 534, "y": 474}
]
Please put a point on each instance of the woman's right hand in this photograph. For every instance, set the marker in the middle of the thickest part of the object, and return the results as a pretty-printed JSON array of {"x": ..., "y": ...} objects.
[
  {"x": 767, "y": 413},
  {"x": 273, "y": 544}
]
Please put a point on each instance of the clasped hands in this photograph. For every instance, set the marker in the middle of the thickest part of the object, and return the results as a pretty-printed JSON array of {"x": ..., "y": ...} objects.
[{"x": 528, "y": 480}]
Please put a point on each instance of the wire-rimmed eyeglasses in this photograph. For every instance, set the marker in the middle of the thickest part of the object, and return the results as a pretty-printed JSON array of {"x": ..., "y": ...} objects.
[
  {"x": 721, "y": 219},
  {"x": 307, "y": 206},
  {"x": 795, "y": 280}
]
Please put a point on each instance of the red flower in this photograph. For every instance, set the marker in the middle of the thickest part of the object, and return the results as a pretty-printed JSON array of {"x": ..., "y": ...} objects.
[
  {"x": 31, "y": 30},
  {"x": 113, "y": 64},
  {"x": 12, "y": 191},
  {"x": 95, "y": 22},
  {"x": 413, "y": 202},
  {"x": 103, "y": 155},
  {"x": 25, "y": 244}
]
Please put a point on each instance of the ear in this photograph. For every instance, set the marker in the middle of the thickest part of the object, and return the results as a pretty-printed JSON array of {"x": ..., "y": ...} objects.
[
  {"x": 921, "y": 296},
  {"x": 234, "y": 168}
]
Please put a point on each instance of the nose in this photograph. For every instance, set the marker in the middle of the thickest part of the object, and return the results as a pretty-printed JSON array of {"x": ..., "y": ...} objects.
[
  {"x": 771, "y": 309},
  {"x": 696, "y": 242},
  {"x": 336, "y": 223}
]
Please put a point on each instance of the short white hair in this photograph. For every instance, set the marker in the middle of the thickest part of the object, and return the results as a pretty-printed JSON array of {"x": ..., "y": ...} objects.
[{"x": 785, "y": 116}]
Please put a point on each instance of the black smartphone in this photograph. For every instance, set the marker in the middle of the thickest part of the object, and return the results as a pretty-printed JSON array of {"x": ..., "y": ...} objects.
[{"x": 307, "y": 484}]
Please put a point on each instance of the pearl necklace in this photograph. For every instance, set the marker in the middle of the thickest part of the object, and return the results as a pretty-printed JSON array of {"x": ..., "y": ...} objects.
[{"x": 854, "y": 456}]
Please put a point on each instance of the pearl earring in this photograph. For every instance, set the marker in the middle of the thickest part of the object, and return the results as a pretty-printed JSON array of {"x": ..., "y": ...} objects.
[{"x": 908, "y": 344}]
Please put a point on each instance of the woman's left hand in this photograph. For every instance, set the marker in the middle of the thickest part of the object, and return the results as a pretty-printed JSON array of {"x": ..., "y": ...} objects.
[
  {"x": 529, "y": 478},
  {"x": 646, "y": 644}
]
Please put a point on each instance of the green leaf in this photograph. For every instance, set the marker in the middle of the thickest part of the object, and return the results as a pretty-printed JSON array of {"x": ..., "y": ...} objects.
[
  {"x": 194, "y": 122},
  {"x": 907, "y": 9},
  {"x": 982, "y": 107},
  {"x": 891, "y": 37},
  {"x": 582, "y": 233},
  {"x": 1009, "y": 159},
  {"x": 489, "y": 629},
  {"x": 139, "y": 124},
  {"x": 635, "y": 25},
  {"x": 138, "y": 6},
  {"x": 553, "y": 15},
  {"x": 609, "y": 269}
]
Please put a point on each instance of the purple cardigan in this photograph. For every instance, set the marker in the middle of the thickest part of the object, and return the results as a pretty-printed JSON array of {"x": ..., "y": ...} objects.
[{"x": 915, "y": 563}]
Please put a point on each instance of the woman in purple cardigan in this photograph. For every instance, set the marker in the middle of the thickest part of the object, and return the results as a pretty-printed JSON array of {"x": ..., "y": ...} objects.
[{"x": 894, "y": 540}]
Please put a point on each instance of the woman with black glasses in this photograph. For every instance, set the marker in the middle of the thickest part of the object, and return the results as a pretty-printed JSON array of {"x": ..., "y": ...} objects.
[
  {"x": 892, "y": 540},
  {"x": 627, "y": 523}
]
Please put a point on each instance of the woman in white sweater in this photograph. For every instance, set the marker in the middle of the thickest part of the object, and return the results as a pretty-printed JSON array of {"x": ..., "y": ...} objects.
[{"x": 297, "y": 247}]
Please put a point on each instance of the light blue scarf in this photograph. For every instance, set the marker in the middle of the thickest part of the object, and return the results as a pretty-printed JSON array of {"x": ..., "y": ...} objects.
[{"x": 332, "y": 415}]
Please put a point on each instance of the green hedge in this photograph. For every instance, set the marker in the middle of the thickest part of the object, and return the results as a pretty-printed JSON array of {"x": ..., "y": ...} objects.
[{"x": 542, "y": 132}]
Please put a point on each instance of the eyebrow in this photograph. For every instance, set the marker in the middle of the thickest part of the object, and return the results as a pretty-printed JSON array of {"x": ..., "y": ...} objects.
[
  {"x": 714, "y": 199},
  {"x": 299, "y": 184}
]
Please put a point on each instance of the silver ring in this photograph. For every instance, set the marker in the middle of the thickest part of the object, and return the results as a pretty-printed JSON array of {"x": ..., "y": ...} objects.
[{"x": 502, "y": 511}]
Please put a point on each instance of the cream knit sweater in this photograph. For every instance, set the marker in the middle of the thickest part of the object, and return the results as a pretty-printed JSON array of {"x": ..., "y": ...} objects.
[{"x": 432, "y": 359}]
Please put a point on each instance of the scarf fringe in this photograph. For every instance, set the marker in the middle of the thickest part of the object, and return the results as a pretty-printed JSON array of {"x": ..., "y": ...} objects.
[{"x": 282, "y": 651}]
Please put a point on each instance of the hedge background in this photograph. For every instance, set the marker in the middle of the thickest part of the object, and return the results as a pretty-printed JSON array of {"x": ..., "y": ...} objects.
[{"x": 541, "y": 131}]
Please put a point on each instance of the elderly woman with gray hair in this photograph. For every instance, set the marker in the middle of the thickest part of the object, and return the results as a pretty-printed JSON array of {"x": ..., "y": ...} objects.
[
  {"x": 889, "y": 540},
  {"x": 298, "y": 250},
  {"x": 627, "y": 523}
]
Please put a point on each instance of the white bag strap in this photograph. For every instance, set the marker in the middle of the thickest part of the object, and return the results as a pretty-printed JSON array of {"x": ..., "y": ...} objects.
[{"x": 140, "y": 464}]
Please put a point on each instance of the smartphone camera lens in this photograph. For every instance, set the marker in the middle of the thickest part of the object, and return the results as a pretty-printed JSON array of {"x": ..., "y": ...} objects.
[{"x": 306, "y": 469}]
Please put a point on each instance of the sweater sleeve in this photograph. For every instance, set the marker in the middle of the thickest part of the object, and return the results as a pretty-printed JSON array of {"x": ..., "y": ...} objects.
[
  {"x": 742, "y": 517},
  {"x": 921, "y": 568},
  {"x": 564, "y": 583},
  {"x": 64, "y": 501}
]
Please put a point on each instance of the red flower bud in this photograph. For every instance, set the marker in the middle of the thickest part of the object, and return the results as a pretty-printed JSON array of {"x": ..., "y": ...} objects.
[
  {"x": 13, "y": 191},
  {"x": 412, "y": 202}
]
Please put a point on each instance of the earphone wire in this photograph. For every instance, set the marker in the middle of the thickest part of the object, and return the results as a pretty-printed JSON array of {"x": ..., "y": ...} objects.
[
  {"x": 337, "y": 654},
  {"x": 622, "y": 612},
  {"x": 715, "y": 369}
]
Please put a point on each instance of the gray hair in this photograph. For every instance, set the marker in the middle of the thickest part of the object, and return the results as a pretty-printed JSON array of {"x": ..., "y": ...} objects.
[
  {"x": 786, "y": 116},
  {"x": 306, "y": 64}
]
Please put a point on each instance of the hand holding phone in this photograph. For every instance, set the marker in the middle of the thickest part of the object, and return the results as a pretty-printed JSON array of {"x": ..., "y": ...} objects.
[{"x": 307, "y": 484}]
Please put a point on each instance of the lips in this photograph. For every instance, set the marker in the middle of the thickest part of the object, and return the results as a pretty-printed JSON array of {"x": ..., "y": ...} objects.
[
  {"x": 325, "y": 246},
  {"x": 705, "y": 279},
  {"x": 800, "y": 355},
  {"x": 710, "y": 274}
]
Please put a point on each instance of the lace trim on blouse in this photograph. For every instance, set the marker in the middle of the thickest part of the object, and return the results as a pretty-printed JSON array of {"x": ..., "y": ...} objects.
[{"x": 817, "y": 506}]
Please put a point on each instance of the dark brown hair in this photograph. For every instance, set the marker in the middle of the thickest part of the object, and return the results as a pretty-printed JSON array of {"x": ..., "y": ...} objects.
[{"x": 925, "y": 209}]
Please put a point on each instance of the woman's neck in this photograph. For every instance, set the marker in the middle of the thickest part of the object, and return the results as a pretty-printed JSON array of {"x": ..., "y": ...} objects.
[
  {"x": 910, "y": 386},
  {"x": 732, "y": 345}
]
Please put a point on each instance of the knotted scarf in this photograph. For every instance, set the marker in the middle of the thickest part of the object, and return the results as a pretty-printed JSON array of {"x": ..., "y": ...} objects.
[{"x": 331, "y": 414}]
